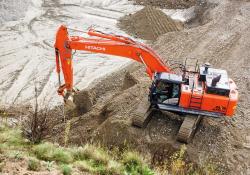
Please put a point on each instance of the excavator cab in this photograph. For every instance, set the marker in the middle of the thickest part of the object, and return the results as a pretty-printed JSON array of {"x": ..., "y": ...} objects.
[{"x": 165, "y": 89}]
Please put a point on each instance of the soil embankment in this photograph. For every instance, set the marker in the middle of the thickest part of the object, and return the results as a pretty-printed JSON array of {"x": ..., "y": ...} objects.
[
  {"x": 149, "y": 23},
  {"x": 223, "y": 41},
  {"x": 168, "y": 4}
]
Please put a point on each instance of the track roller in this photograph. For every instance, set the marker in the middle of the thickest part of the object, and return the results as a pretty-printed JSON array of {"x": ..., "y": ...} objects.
[{"x": 188, "y": 128}]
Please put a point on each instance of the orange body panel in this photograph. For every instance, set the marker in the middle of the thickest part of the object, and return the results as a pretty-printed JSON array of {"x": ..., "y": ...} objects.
[{"x": 210, "y": 102}]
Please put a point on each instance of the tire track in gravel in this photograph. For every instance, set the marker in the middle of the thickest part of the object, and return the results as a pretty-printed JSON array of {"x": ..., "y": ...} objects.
[
  {"x": 14, "y": 76},
  {"x": 45, "y": 81}
]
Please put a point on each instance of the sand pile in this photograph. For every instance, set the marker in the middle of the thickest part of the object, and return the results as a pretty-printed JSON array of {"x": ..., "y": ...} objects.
[
  {"x": 173, "y": 4},
  {"x": 149, "y": 23}
]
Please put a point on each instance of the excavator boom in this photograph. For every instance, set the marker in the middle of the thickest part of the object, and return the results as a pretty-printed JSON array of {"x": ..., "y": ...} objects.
[{"x": 105, "y": 44}]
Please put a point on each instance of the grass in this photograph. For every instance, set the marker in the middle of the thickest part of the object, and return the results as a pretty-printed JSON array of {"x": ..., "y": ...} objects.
[
  {"x": 95, "y": 153},
  {"x": 133, "y": 164},
  {"x": 178, "y": 164},
  {"x": 66, "y": 169},
  {"x": 89, "y": 158},
  {"x": 34, "y": 164},
  {"x": 84, "y": 166},
  {"x": 92, "y": 159},
  {"x": 12, "y": 137},
  {"x": 49, "y": 152},
  {"x": 62, "y": 156},
  {"x": 44, "y": 151}
]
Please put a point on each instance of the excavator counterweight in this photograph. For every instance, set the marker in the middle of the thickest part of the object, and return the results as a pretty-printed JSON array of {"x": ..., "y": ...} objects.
[{"x": 202, "y": 91}]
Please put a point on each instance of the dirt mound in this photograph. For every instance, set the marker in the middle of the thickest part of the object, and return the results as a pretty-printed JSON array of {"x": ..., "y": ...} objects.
[
  {"x": 169, "y": 4},
  {"x": 85, "y": 100},
  {"x": 149, "y": 23}
]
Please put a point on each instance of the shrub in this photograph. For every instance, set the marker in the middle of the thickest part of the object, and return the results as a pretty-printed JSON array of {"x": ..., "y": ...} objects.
[
  {"x": 62, "y": 156},
  {"x": 91, "y": 152},
  {"x": 44, "y": 151},
  {"x": 96, "y": 153},
  {"x": 133, "y": 164},
  {"x": 49, "y": 152},
  {"x": 12, "y": 137},
  {"x": 38, "y": 122},
  {"x": 178, "y": 165},
  {"x": 114, "y": 167},
  {"x": 84, "y": 166},
  {"x": 78, "y": 153},
  {"x": 66, "y": 170},
  {"x": 33, "y": 164}
]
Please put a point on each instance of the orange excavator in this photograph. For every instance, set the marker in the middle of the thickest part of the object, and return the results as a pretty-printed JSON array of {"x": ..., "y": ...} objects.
[{"x": 196, "y": 92}]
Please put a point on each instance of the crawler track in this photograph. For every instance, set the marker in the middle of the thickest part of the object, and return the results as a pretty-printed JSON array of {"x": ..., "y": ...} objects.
[
  {"x": 142, "y": 115},
  {"x": 188, "y": 128}
]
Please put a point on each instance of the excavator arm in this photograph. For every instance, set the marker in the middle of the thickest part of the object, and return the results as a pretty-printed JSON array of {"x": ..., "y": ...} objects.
[{"x": 105, "y": 44}]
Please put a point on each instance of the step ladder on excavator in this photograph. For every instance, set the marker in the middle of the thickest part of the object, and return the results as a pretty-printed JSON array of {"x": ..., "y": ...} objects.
[{"x": 191, "y": 122}]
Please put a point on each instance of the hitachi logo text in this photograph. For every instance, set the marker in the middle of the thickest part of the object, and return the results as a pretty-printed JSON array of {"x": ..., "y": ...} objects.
[{"x": 95, "y": 48}]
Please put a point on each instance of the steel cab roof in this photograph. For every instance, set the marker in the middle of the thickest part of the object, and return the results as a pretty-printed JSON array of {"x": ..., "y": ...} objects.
[{"x": 169, "y": 78}]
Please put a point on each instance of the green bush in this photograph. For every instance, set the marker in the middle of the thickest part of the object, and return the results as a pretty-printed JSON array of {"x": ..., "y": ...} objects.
[
  {"x": 44, "y": 151},
  {"x": 49, "y": 152},
  {"x": 114, "y": 167},
  {"x": 91, "y": 152},
  {"x": 33, "y": 164},
  {"x": 12, "y": 137},
  {"x": 66, "y": 170},
  {"x": 78, "y": 153},
  {"x": 84, "y": 166},
  {"x": 133, "y": 164},
  {"x": 62, "y": 156}
]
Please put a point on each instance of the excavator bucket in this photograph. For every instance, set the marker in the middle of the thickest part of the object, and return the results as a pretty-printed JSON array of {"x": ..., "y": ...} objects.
[{"x": 69, "y": 106}]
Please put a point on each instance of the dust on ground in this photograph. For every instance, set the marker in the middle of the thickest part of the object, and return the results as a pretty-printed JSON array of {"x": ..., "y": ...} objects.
[
  {"x": 169, "y": 4},
  {"x": 149, "y": 23},
  {"x": 224, "y": 42}
]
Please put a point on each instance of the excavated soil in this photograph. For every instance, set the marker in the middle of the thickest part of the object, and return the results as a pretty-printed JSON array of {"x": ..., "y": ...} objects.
[
  {"x": 169, "y": 4},
  {"x": 149, "y": 23},
  {"x": 224, "y": 42}
]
